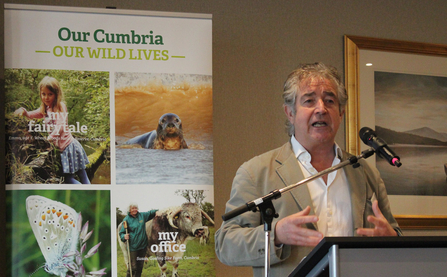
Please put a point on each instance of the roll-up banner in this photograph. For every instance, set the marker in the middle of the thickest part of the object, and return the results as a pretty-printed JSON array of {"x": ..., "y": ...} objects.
[{"x": 109, "y": 142}]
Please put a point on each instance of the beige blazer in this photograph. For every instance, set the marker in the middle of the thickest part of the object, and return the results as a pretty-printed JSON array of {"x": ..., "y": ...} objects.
[{"x": 240, "y": 240}]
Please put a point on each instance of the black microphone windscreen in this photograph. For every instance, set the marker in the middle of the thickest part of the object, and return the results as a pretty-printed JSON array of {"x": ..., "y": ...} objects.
[{"x": 365, "y": 134}]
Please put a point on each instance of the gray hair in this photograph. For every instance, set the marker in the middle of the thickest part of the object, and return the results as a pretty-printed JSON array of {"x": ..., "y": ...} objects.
[
  {"x": 132, "y": 205},
  {"x": 305, "y": 72}
]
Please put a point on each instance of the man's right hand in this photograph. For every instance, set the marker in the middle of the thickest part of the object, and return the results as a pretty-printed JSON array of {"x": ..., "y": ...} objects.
[
  {"x": 126, "y": 236},
  {"x": 289, "y": 231}
]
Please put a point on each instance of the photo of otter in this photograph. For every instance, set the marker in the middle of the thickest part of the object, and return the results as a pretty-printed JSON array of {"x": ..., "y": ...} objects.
[{"x": 163, "y": 128}]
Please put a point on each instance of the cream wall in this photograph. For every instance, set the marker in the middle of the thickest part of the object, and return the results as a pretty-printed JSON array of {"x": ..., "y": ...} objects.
[{"x": 255, "y": 45}]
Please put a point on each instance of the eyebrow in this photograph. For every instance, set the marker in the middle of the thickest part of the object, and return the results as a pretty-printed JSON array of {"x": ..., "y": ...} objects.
[
  {"x": 325, "y": 93},
  {"x": 330, "y": 93},
  {"x": 308, "y": 94}
]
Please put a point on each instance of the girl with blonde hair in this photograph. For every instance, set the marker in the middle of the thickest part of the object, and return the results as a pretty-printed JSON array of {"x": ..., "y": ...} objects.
[{"x": 54, "y": 111}]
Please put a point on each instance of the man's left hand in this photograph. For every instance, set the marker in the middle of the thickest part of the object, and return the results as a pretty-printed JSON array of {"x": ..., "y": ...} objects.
[{"x": 382, "y": 226}]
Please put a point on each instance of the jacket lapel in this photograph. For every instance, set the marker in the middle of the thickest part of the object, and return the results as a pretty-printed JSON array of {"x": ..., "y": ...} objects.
[{"x": 290, "y": 173}]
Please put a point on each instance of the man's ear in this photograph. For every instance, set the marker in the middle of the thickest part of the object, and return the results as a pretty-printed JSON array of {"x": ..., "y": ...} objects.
[{"x": 289, "y": 113}]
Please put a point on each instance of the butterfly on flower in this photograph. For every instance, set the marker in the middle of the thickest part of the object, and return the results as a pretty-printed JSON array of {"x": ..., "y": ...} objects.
[{"x": 57, "y": 228}]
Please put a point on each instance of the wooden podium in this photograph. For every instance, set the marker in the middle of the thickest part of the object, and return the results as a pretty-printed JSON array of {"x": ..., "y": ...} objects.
[{"x": 376, "y": 256}]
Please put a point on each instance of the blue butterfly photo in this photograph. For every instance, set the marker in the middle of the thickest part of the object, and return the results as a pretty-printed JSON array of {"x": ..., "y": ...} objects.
[{"x": 59, "y": 233}]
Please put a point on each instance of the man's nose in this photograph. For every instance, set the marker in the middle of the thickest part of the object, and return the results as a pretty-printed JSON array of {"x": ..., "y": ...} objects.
[{"x": 320, "y": 107}]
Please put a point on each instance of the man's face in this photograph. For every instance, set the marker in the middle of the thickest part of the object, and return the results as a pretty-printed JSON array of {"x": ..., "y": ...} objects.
[{"x": 317, "y": 115}]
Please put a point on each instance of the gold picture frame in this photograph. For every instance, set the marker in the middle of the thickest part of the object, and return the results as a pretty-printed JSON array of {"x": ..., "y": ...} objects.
[{"x": 353, "y": 45}]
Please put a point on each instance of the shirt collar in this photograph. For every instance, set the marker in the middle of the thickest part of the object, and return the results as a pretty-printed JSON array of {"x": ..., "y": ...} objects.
[{"x": 299, "y": 150}]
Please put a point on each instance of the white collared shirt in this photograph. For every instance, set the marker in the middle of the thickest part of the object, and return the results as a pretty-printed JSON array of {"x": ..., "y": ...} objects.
[{"x": 331, "y": 202}]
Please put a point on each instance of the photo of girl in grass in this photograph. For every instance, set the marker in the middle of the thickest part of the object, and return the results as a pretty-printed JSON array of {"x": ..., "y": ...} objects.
[{"x": 57, "y": 127}]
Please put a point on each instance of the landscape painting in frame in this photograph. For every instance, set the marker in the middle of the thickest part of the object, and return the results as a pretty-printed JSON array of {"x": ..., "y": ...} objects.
[{"x": 410, "y": 114}]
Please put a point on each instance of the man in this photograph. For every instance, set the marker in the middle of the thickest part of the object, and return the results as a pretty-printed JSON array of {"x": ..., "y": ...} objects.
[
  {"x": 136, "y": 235},
  {"x": 342, "y": 203}
]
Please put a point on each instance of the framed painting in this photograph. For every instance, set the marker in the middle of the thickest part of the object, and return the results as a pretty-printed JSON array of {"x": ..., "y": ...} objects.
[{"x": 399, "y": 88}]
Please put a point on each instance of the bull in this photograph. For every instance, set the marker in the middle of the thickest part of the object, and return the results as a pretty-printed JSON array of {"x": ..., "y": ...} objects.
[{"x": 169, "y": 233}]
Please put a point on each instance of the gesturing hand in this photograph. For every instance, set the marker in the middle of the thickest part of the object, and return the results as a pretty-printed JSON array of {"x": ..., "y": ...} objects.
[
  {"x": 289, "y": 230},
  {"x": 19, "y": 111},
  {"x": 382, "y": 226}
]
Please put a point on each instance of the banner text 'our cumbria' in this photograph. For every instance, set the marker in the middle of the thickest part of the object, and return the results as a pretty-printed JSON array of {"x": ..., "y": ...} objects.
[{"x": 103, "y": 37}]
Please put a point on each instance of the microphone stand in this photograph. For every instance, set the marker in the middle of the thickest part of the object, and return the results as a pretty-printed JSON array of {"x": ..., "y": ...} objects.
[{"x": 265, "y": 206}]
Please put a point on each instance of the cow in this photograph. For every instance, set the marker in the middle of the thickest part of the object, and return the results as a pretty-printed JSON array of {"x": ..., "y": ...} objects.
[{"x": 169, "y": 233}]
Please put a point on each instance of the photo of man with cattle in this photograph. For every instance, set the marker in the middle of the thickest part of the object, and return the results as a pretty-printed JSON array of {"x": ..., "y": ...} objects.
[{"x": 165, "y": 235}]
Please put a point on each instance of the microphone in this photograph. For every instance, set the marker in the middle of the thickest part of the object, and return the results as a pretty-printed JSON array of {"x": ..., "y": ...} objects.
[{"x": 369, "y": 137}]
